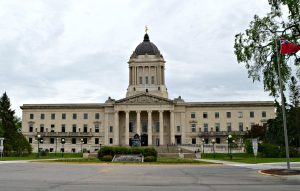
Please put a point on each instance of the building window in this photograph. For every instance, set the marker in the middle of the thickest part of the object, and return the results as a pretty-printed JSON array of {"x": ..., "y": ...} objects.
[
  {"x": 63, "y": 116},
  {"x": 206, "y": 140},
  {"x": 96, "y": 141},
  {"x": 263, "y": 114},
  {"x": 193, "y": 115},
  {"x": 144, "y": 127},
  {"x": 217, "y": 115},
  {"x": 229, "y": 126},
  {"x": 42, "y": 128},
  {"x": 85, "y": 116},
  {"x": 130, "y": 127},
  {"x": 30, "y": 140},
  {"x": 152, "y": 79},
  {"x": 146, "y": 78},
  {"x": 52, "y": 115},
  {"x": 241, "y": 126},
  {"x": 30, "y": 128},
  {"x": 240, "y": 114},
  {"x": 141, "y": 80},
  {"x": 217, "y": 127},
  {"x": 85, "y": 141},
  {"x": 157, "y": 127},
  {"x": 74, "y": 128},
  {"x": 205, "y": 127},
  {"x": 73, "y": 140},
  {"x": 52, "y": 140},
  {"x": 85, "y": 128},
  {"x": 97, "y": 128},
  {"x": 63, "y": 128},
  {"x": 42, "y": 116},
  {"x": 205, "y": 115},
  {"x": 110, "y": 140},
  {"x": 193, "y": 127},
  {"x": 193, "y": 141},
  {"x": 74, "y": 115},
  {"x": 218, "y": 140},
  {"x": 252, "y": 125},
  {"x": 111, "y": 129},
  {"x": 52, "y": 128},
  {"x": 251, "y": 114},
  {"x": 31, "y": 116},
  {"x": 97, "y": 116},
  {"x": 228, "y": 114},
  {"x": 178, "y": 129}
]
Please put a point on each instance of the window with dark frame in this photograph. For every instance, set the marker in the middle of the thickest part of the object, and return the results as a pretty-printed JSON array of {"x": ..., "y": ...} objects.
[
  {"x": 96, "y": 128},
  {"x": 193, "y": 115},
  {"x": 228, "y": 114},
  {"x": 97, "y": 115},
  {"x": 263, "y": 114},
  {"x": 73, "y": 140},
  {"x": 193, "y": 141},
  {"x": 31, "y": 116},
  {"x": 85, "y": 116},
  {"x": 205, "y": 115},
  {"x": 63, "y": 128},
  {"x": 110, "y": 140},
  {"x": 63, "y": 116},
  {"x": 52, "y": 116},
  {"x": 217, "y": 115},
  {"x": 96, "y": 141},
  {"x": 74, "y": 115},
  {"x": 42, "y": 116},
  {"x": 52, "y": 140},
  {"x": 251, "y": 114}
]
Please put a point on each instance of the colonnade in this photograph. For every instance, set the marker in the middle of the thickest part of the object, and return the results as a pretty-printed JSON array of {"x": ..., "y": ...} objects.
[{"x": 116, "y": 132}]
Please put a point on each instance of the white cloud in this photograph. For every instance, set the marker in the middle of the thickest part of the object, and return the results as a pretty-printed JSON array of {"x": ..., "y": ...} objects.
[{"x": 77, "y": 51}]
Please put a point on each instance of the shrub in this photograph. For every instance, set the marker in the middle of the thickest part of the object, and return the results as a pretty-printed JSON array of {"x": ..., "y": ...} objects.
[
  {"x": 269, "y": 151},
  {"x": 150, "y": 151},
  {"x": 125, "y": 150},
  {"x": 107, "y": 158},
  {"x": 248, "y": 146},
  {"x": 293, "y": 152},
  {"x": 150, "y": 159}
]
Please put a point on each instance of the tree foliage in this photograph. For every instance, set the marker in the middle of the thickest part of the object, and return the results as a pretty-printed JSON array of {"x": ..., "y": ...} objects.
[
  {"x": 256, "y": 47},
  {"x": 294, "y": 92},
  {"x": 14, "y": 142}
]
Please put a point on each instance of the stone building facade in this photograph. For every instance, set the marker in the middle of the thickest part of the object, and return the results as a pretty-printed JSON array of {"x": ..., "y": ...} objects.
[{"x": 146, "y": 110}]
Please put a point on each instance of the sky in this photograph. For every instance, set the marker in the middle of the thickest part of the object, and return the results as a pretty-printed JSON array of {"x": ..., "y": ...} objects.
[{"x": 75, "y": 51}]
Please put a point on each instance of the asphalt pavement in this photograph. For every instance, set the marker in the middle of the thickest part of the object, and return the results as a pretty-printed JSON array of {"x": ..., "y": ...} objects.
[{"x": 33, "y": 176}]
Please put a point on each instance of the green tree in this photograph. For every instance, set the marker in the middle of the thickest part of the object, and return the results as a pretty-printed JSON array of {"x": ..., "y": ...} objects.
[
  {"x": 14, "y": 141},
  {"x": 294, "y": 92},
  {"x": 257, "y": 49}
]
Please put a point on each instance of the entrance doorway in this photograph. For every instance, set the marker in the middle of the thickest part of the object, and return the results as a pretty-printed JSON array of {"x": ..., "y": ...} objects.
[
  {"x": 144, "y": 140},
  {"x": 178, "y": 139}
]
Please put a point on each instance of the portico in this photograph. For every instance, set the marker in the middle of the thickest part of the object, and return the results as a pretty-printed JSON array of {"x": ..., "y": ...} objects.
[{"x": 149, "y": 116}]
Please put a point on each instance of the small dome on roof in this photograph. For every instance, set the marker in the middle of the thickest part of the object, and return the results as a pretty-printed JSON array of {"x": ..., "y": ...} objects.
[{"x": 146, "y": 47}]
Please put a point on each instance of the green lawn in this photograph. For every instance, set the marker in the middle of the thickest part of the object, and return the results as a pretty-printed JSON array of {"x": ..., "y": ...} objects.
[
  {"x": 49, "y": 156},
  {"x": 246, "y": 158}
]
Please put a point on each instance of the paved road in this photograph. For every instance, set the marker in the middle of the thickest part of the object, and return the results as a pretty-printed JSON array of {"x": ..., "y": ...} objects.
[{"x": 71, "y": 177}]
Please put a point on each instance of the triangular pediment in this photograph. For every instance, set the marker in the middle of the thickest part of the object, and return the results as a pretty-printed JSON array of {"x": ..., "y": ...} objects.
[{"x": 144, "y": 98}]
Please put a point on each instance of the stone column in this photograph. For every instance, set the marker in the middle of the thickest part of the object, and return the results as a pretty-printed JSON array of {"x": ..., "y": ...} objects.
[
  {"x": 182, "y": 128},
  {"x": 149, "y": 128},
  {"x": 172, "y": 128},
  {"x": 106, "y": 129},
  {"x": 161, "y": 127},
  {"x": 138, "y": 123},
  {"x": 116, "y": 129},
  {"x": 127, "y": 128}
]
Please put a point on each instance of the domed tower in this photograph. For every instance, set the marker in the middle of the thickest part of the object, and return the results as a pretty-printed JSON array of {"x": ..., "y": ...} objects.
[{"x": 147, "y": 70}]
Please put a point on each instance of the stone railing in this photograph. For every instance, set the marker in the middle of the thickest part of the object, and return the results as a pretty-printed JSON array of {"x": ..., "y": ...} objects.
[{"x": 65, "y": 134}]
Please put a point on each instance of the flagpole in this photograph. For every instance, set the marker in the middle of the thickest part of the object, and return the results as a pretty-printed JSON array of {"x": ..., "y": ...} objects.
[{"x": 283, "y": 109}]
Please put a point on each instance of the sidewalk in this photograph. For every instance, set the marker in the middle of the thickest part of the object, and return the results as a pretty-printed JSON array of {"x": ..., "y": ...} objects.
[{"x": 258, "y": 166}]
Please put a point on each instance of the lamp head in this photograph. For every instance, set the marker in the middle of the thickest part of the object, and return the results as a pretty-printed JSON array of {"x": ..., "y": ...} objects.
[{"x": 39, "y": 136}]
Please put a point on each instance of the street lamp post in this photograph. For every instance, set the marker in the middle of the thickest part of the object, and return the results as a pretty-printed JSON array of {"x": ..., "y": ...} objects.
[
  {"x": 213, "y": 143},
  {"x": 62, "y": 150},
  {"x": 81, "y": 142},
  {"x": 38, "y": 140},
  {"x": 229, "y": 140},
  {"x": 203, "y": 141},
  {"x": 56, "y": 139}
]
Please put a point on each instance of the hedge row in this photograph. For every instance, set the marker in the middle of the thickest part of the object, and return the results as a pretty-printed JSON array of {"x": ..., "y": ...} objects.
[{"x": 149, "y": 152}]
